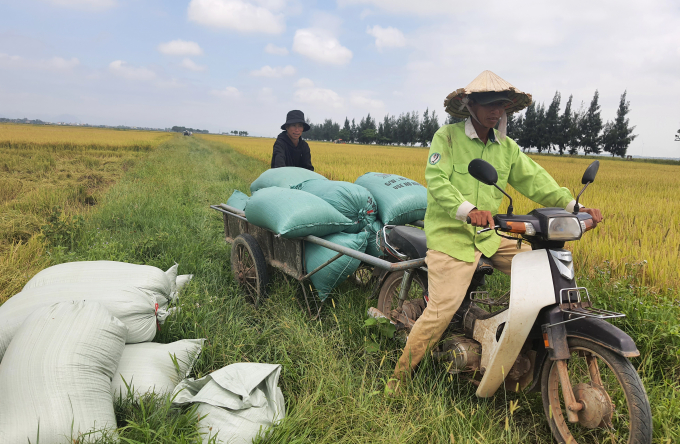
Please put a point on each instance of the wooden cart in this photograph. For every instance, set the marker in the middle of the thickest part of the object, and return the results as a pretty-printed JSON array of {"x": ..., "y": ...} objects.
[{"x": 255, "y": 248}]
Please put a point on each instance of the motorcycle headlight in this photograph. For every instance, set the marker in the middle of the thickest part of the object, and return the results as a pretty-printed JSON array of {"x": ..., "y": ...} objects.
[{"x": 564, "y": 228}]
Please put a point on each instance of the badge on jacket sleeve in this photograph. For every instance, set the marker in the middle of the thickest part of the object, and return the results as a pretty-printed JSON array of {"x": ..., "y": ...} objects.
[{"x": 434, "y": 158}]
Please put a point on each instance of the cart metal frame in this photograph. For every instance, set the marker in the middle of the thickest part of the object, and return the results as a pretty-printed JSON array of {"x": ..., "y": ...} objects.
[{"x": 287, "y": 255}]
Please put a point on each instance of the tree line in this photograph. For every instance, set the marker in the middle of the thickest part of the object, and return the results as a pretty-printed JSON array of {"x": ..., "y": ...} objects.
[
  {"x": 545, "y": 130},
  {"x": 238, "y": 133},
  {"x": 406, "y": 129},
  {"x": 181, "y": 129},
  {"x": 573, "y": 131}
]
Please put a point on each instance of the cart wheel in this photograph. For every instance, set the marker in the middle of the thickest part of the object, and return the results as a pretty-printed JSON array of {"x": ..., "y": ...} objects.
[{"x": 249, "y": 268}]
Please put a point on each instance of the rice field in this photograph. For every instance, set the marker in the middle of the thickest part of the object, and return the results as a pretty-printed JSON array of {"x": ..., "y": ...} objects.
[
  {"x": 48, "y": 176},
  {"x": 157, "y": 214},
  {"x": 639, "y": 239},
  {"x": 79, "y": 138}
]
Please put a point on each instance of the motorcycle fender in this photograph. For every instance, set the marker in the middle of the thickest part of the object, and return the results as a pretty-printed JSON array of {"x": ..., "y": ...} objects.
[
  {"x": 531, "y": 289},
  {"x": 603, "y": 333}
]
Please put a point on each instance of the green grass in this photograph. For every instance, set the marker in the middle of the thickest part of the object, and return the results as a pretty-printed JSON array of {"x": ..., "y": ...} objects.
[{"x": 158, "y": 214}]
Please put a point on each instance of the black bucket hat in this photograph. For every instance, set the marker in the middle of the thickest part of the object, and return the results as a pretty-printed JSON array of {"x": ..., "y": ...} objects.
[{"x": 295, "y": 116}]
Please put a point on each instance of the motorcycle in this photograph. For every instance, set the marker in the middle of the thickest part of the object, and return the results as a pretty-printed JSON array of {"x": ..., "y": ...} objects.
[{"x": 543, "y": 335}]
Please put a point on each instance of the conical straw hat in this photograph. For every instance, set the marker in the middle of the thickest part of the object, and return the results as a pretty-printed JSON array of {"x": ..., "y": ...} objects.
[{"x": 486, "y": 82}]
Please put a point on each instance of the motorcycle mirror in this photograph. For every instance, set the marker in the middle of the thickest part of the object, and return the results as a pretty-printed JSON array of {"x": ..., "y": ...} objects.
[
  {"x": 591, "y": 172},
  {"x": 587, "y": 179},
  {"x": 484, "y": 172}
]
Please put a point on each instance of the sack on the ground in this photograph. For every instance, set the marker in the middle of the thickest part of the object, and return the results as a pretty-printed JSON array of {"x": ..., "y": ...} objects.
[
  {"x": 400, "y": 200},
  {"x": 353, "y": 201},
  {"x": 55, "y": 378},
  {"x": 238, "y": 200},
  {"x": 237, "y": 403},
  {"x": 373, "y": 247},
  {"x": 161, "y": 284},
  {"x": 283, "y": 177},
  {"x": 149, "y": 367},
  {"x": 294, "y": 213},
  {"x": 134, "y": 307},
  {"x": 181, "y": 282},
  {"x": 340, "y": 269}
]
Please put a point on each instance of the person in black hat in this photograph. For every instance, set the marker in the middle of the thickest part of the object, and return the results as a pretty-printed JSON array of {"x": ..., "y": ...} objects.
[{"x": 289, "y": 149}]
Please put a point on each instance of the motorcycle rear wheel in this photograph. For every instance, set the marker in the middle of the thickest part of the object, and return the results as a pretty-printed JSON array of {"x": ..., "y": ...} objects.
[
  {"x": 630, "y": 418},
  {"x": 388, "y": 299}
]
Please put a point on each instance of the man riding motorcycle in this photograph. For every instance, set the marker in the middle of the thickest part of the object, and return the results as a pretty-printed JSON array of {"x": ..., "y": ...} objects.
[{"x": 455, "y": 197}]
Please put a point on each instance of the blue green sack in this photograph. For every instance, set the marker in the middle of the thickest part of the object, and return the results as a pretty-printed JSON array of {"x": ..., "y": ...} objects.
[
  {"x": 294, "y": 213},
  {"x": 238, "y": 200},
  {"x": 372, "y": 229},
  {"x": 400, "y": 200},
  {"x": 284, "y": 177},
  {"x": 353, "y": 201},
  {"x": 337, "y": 271}
]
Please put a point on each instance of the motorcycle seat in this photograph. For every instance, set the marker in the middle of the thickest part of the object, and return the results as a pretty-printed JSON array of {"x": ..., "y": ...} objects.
[{"x": 409, "y": 241}]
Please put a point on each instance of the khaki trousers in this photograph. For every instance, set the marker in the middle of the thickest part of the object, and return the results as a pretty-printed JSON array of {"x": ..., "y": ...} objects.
[{"x": 448, "y": 279}]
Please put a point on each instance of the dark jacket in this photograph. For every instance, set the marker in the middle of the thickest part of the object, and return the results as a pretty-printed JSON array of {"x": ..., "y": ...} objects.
[{"x": 288, "y": 155}]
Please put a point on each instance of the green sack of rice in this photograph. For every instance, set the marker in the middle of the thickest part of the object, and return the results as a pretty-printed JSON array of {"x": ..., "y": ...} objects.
[
  {"x": 238, "y": 200},
  {"x": 372, "y": 229},
  {"x": 284, "y": 177},
  {"x": 353, "y": 201},
  {"x": 400, "y": 200},
  {"x": 294, "y": 213},
  {"x": 337, "y": 271}
]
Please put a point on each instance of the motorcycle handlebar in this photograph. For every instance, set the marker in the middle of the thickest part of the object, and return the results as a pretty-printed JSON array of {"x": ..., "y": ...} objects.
[{"x": 469, "y": 221}]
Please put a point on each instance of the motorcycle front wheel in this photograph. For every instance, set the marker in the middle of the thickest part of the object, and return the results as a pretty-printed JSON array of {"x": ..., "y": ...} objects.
[{"x": 616, "y": 407}]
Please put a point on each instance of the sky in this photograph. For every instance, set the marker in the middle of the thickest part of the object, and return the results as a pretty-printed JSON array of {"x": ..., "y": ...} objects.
[{"x": 226, "y": 65}]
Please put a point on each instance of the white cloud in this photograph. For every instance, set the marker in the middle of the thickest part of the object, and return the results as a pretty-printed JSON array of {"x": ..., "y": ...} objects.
[
  {"x": 321, "y": 47},
  {"x": 229, "y": 92},
  {"x": 180, "y": 48},
  {"x": 84, "y": 4},
  {"x": 192, "y": 66},
  {"x": 387, "y": 37},
  {"x": 266, "y": 95},
  {"x": 278, "y": 71},
  {"x": 122, "y": 69},
  {"x": 365, "y": 13},
  {"x": 312, "y": 95},
  {"x": 421, "y": 7},
  {"x": 272, "y": 5},
  {"x": 235, "y": 14},
  {"x": 53, "y": 64},
  {"x": 362, "y": 99},
  {"x": 304, "y": 82},
  {"x": 59, "y": 63},
  {"x": 276, "y": 50},
  {"x": 169, "y": 83}
]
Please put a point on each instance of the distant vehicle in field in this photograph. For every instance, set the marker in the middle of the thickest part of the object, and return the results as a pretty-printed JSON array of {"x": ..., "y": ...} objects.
[{"x": 187, "y": 132}]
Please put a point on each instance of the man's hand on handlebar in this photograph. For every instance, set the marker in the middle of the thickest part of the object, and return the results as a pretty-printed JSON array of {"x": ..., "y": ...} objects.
[
  {"x": 480, "y": 218},
  {"x": 594, "y": 213}
]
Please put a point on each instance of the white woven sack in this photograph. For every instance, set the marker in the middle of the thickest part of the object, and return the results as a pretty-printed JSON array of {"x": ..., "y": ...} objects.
[
  {"x": 237, "y": 402},
  {"x": 55, "y": 379},
  {"x": 149, "y": 367},
  {"x": 181, "y": 281},
  {"x": 134, "y": 307},
  {"x": 160, "y": 283}
]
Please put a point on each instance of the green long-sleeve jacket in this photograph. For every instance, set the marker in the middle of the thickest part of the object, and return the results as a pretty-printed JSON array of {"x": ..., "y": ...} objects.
[{"x": 452, "y": 192}]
